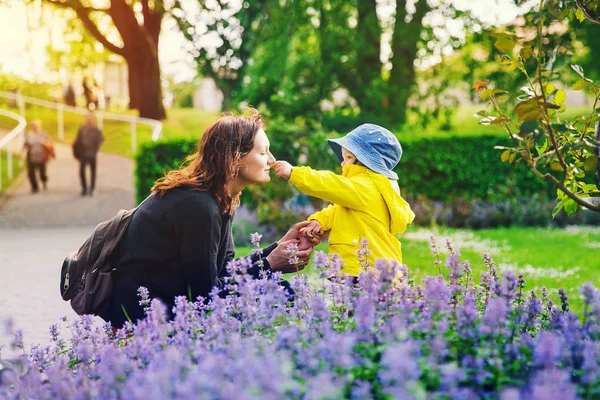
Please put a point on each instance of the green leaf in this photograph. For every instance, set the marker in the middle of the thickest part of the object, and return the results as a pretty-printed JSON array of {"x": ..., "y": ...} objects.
[
  {"x": 528, "y": 127},
  {"x": 558, "y": 207},
  {"x": 527, "y": 110},
  {"x": 561, "y": 61},
  {"x": 525, "y": 53},
  {"x": 559, "y": 127},
  {"x": 590, "y": 187},
  {"x": 481, "y": 114},
  {"x": 570, "y": 206},
  {"x": 579, "y": 15},
  {"x": 580, "y": 84},
  {"x": 512, "y": 158},
  {"x": 505, "y": 156},
  {"x": 505, "y": 43},
  {"x": 485, "y": 94},
  {"x": 590, "y": 163},
  {"x": 560, "y": 96}
]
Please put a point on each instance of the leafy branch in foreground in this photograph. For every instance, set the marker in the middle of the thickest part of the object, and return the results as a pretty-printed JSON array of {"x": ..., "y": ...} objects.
[{"x": 560, "y": 151}]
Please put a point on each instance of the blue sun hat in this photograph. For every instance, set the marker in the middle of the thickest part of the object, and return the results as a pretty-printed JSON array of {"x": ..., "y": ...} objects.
[{"x": 374, "y": 146}]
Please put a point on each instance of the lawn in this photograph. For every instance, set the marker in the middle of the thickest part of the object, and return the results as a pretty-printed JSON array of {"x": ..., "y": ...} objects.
[
  {"x": 554, "y": 258},
  {"x": 4, "y": 164}
]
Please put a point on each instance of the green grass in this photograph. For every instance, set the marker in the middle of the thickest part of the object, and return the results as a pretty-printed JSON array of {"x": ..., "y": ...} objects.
[
  {"x": 465, "y": 124},
  {"x": 554, "y": 258},
  {"x": 181, "y": 123},
  {"x": 187, "y": 123},
  {"x": 4, "y": 164}
]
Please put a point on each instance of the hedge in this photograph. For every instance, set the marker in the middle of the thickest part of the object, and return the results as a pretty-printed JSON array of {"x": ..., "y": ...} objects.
[
  {"x": 439, "y": 169},
  {"x": 465, "y": 167}
]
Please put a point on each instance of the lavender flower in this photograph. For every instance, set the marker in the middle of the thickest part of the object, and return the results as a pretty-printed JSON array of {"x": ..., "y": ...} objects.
[
  {"x": 255, "y": 239},
  {"x": 292, "y": 250},
  {"x": 387, "y": 337}
]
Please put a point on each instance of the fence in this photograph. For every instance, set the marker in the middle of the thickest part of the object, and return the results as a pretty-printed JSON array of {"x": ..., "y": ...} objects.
[
  {"x": 12, "y": 142},
  {"x": 60, "y": 108}
]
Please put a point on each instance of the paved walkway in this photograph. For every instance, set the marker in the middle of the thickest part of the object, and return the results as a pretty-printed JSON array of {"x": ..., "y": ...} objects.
[{"x": 38, "y": 230}]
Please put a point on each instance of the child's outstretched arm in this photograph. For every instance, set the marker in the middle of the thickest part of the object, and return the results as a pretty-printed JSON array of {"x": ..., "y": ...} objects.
[
  {"x": 283, "y": 169},
  {"x": 326, "y": 185}
]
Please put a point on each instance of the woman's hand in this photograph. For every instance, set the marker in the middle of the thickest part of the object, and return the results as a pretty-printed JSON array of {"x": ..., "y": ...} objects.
[
  {"x": 283, "y": 169},
  {"x": 297, "y": 232},
  {"x": 279, "y": 259}
]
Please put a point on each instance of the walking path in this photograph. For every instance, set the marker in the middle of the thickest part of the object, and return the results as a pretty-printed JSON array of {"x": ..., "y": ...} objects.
[{"x": 37, "y": 231}]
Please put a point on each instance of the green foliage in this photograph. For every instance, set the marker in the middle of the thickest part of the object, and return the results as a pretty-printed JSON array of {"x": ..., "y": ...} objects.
[
  {"x": 17, "y": 166},
  {"x": 154, "y": 159},
  {"x": 466, "y": 167},
  {"x": 439, "y": 169},
  {"x": 184, "y": 94},
  {"x": 541, "y": 138}
]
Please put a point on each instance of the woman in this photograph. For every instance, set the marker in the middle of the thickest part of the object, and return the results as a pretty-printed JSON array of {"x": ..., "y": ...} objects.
[
  {"x": 37, "y": 150},
  {"x": 179, "y": 240}
]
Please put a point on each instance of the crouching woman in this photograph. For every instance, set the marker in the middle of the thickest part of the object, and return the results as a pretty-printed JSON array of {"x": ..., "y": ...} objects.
[{"x": 179, "y": 240}]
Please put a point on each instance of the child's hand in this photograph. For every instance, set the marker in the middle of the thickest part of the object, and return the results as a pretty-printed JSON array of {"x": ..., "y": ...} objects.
[
  {"x": 313, "y": 231},
  {"x": 283, "y": 169}
]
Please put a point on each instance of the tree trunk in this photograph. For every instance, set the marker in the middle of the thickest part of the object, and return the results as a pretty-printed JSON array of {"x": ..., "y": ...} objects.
[
  {"x": 144, "y": 79},
  {"x": 405, "y": 38},
  {"x": 133, "y": 83},
  {"x": 226, "y": 106}
]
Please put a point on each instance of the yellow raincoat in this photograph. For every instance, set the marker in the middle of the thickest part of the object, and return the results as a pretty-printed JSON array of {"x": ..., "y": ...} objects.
[{"x": 365, "y": 205}]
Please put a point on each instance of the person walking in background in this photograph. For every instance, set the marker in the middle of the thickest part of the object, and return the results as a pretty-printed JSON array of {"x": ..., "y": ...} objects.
[
  {"x": 37, "y": 150},
  {"x": 90, "y": 93},
  {"x": 69, "y": 95},
  {"x": 85, "y": 149}
]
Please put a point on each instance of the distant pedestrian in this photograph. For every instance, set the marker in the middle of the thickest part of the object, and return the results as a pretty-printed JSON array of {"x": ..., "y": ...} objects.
[
  {"x": 37, "y": 149},
  {"x": 69, "y": 95},
  {"x": 85, "y": 149},
  {"x": 90, "y": 92}
]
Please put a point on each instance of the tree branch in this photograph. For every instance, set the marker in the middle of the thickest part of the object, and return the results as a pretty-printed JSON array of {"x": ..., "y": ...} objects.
[
  {"x": 84, "y": 15},
  {"x": 590, "y": 15},
  {"x": 68, "y": 4}
]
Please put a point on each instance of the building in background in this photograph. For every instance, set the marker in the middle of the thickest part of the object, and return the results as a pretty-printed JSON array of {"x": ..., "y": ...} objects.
[{"x": 208, "y": 97}]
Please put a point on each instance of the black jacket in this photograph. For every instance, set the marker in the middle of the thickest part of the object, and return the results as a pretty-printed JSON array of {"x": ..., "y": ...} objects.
[{"x": 176, "y": 245}]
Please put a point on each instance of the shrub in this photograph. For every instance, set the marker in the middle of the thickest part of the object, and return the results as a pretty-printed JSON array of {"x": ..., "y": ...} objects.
[
  {"x": 467, "y": 167},
  {"x": 155, "y": 158},
  {"x": 385, "y": 338}
]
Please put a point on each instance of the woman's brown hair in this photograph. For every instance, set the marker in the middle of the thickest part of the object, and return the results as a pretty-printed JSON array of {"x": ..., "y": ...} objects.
[{"x": 215, "y": 165}]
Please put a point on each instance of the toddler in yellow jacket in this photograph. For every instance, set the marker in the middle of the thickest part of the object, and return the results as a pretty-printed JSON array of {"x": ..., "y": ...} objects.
[{"x": 366, "y": 201}]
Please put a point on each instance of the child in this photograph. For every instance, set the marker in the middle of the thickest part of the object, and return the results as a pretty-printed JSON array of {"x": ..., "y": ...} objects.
[{"x": 366, "y": 198}]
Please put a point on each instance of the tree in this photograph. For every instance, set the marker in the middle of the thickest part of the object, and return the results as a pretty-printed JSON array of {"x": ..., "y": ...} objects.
[
  {"x": 293, "y": 54},
  {"x": 139, "y": 46},
  {"x": 561, "y": 151},
  {"x": 221, "y": 38},
  {"x": 82, "y": 50}
]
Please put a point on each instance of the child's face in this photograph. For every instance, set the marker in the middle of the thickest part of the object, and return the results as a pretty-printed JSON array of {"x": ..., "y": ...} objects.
[{"x": 348, "y": 157}]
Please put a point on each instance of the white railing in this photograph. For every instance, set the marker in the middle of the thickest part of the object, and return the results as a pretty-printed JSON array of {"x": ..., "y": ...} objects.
[
  {"x": 60, "y": 108},
  {"x": 7, "y": 142}
]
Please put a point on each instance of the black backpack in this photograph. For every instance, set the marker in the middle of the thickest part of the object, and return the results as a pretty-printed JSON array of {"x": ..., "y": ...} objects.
[{"x": 85, "y": 276}]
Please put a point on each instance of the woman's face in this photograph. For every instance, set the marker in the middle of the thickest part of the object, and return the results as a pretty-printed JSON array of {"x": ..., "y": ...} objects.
[
  {"x": 256, "y": 165},
  {"x": 348, "y": 157}
]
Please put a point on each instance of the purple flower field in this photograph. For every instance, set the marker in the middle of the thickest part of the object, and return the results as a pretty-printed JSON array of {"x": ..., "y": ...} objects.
[{"x": 384, "y": 338}]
